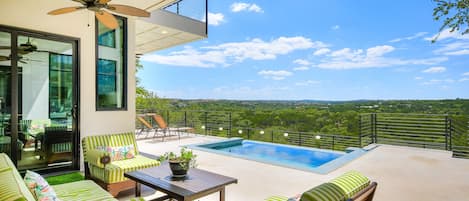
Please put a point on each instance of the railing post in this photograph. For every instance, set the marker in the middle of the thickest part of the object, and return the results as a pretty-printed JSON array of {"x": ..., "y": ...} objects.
[
  {"x": 373, "y": 126},
  {"x": 451, "y": 134},
  {"x": 185, "y": 119},
  {"x": 333, "y": 141},
  {"x": 229, "y": 124},
  {"x": 299, "y": 139},
  {"x": 272, "y": 135},
  {"x": 205, "y": 122},
  {"x": 360, "y": 131},
  {"x": 447, "y": 132},
  {"x": 249, "y": 134},
  {"x": 360, "y": 140},
  {"x": 167, "y": 117}
]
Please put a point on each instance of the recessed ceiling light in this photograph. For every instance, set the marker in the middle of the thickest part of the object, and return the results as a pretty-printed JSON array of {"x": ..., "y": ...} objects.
[{"x": 164, "y": 32}]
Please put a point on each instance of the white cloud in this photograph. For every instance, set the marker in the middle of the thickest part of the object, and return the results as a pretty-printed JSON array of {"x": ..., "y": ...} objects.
[
  {"x": 378, "y": 51},
  {"x": 188, "y": 57},
  {"x": 465, "y": 74},
  {"x": 437, "y": 81},
  {"x": 301, "y": 68},
  {"x": 452, "y": 48},
  {"x": 302, "y": 62},
  {"x": 240, "y": 6},
  {"x": 464, "y": 79},
  {"x": 373, "y": 57},
  {"x": 415, "y": 36},
  {"x": 457, "y": 53},
  {"x": 418, "y": 78},
  {"x": 446, "y": 34},
  {"x": 227, "y": 53},
  {"x": 321, "y": 51},
  {"x": 307, "y": 83},
  {"x": 215, "y": 19},
  {"x": 335, "y": 27},
  {"x": 436, "y": 69},
  {"x": 275, "y": 75},
  {"x": 258, "y": 49}
]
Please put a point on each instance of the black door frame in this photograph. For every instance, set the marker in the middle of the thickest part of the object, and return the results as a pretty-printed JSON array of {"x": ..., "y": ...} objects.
[{"x": 14, "y": 33}]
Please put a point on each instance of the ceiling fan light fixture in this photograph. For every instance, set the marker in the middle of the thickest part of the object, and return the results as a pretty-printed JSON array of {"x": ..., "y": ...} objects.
[{"x": 103, "y": 16}]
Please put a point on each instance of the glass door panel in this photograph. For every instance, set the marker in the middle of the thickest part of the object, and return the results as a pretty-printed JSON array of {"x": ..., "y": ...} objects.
[
  {"x": 5, "y": 94},
  {"x": 45, "y": 102}
]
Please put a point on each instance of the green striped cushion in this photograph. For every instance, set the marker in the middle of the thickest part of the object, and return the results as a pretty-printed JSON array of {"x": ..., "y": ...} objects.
[
  {"x": 12, "y": 186},
  {"x": 114, "y": 172},
  {"x": 276, "y": 198},
  {"x": 351, "y": 182},
  {"x": 62, "y": 147},
  {"x": 82, "y": 190},
  {"x": 113, "y": 140},
  {"x": 324, "y": 192}
]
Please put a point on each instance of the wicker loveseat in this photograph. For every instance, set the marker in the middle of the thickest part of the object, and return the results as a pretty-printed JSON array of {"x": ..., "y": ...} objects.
[{"x": 110, "y": 174}]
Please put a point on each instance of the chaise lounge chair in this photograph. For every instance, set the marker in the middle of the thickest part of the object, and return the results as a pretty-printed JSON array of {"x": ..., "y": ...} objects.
[
  {"x": 147, "y": 127},
  {"x": 351, "y": 186},
  {"x": 164, "y": 127}
]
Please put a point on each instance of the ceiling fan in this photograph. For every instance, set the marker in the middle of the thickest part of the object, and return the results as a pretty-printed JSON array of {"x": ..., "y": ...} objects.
[
  {"x": 21, "y": 59},
  {"x": 99, "y": 6},
  {"x": 25, "y": 48}
]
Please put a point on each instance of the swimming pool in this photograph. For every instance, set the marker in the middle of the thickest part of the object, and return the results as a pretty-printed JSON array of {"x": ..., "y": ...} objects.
[{"x": 309, "y": 159}]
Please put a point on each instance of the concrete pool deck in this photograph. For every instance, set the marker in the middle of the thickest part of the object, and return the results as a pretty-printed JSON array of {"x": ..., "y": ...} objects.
[{"x": 402, "y": 173}]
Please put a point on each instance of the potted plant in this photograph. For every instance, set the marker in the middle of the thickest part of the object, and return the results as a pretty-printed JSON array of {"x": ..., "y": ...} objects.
[{"x": 179, "y": 164}]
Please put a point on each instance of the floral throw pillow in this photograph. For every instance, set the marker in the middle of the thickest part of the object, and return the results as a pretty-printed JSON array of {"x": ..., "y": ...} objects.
[
  {"x": 120, "y": 153},
  {"x": 39, "y": 187}
]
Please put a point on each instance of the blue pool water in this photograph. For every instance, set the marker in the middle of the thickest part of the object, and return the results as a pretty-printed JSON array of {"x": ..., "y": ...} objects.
[
  {"x": 283, "y": 154},
  {"x": 309, "y": 159}
]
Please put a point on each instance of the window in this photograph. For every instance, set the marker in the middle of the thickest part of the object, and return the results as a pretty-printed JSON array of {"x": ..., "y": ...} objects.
[
  {"x": 60, "y": 86},
  {"x": 107, "y": 39},
  {"x": 111, "y": 67}
]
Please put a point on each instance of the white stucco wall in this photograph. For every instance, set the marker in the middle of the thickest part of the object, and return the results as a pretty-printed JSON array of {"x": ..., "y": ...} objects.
[{"x": 32, "y": 14}]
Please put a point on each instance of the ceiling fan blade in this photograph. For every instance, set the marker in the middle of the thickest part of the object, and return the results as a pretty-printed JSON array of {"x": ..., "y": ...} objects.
[
  {"x": 80, "y": 1},
  {"x": 103, "y": 1},
  {"x": 128, "y": 10},
  {"x": 64, "y": 10},
  {"x": 4, "y": 58},
  {"x": 107, "y": 19}
]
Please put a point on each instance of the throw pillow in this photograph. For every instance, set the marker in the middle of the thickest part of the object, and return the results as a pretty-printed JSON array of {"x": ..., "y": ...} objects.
[
  {"x": 39, "y": 187},
  {"x": 119, "y": 153}
]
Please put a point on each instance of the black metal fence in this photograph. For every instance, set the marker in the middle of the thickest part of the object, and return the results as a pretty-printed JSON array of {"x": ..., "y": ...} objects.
[
  {"x": 230, "y": 124},
  {"x": 432, "y": 131}
]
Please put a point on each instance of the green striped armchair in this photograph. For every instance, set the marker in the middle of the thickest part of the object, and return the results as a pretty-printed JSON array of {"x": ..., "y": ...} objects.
[
  {"x": 351, "y": 186},
  {"x": 110, "y": 174}
]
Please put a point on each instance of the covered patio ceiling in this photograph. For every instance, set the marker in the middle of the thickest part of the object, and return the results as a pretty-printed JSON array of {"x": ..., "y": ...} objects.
[{"x": 163, "y": 29}]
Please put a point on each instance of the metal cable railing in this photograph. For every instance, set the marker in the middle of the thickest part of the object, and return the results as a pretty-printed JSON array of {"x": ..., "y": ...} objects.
[{"x": 434, "y": 131}]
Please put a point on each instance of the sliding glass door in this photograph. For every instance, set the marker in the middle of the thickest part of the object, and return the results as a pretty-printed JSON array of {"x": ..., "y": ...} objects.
[{"x": 42, "y": 114}]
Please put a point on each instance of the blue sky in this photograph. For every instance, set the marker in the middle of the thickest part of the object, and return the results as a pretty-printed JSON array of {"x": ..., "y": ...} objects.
[{"x": 322, "y": 50}]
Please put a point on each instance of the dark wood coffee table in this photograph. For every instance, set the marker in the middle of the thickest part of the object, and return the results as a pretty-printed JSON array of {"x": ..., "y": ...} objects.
[{"x": 198, "y": 183}]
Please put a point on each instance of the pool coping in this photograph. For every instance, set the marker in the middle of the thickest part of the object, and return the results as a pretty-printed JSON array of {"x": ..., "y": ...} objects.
[{"x": 323, "y": 169}]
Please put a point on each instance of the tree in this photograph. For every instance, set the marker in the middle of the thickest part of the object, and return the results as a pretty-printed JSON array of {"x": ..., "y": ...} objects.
[
  {"x": 141, "y": 91},
  {"x": 147, "y": 100},
  {"x": 455, "y": 14}
]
